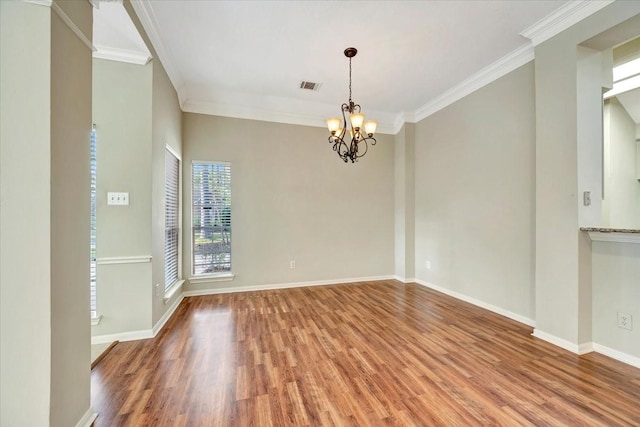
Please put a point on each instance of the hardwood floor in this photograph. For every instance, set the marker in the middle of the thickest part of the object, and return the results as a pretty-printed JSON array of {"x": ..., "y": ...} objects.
[{"x": 377, "y": 353}]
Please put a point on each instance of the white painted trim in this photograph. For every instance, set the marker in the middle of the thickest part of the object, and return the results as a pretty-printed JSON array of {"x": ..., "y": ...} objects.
[
  {"x": 252, "y": 113},
  {"x": 124, "y": 260},
  {"x": 562, "y": 343},
  {"x": 478, "y": 303},
  {"x": 615, "y": 237},
  {"x": 562, "y": 18},
  {"x": 173, "y": 289},
  {"x": 46, "y": 3},
  {"x": 489, "y": 74},
  {"x": 72, "y": 26},
  {"x": 617, "y": 355},
  {"x": 87, "y": 419},
  {"x": 586, "y": 347},
  {"x": 142, "y": 334},
  {"x": 226, "y": 277},
  {"x": 122, "y": 336},
  {"x": 170, "y": 149},
  {"x": 401, "y": 119},
  {"x": 167, "y": 315},
  {"x": 404, "y": 279},
  {"x": 283, "y": 286},
  {"x": 95, "y": 321},
  {"x": 147, "y": 16},
  {"x": 121, "y": 55}
]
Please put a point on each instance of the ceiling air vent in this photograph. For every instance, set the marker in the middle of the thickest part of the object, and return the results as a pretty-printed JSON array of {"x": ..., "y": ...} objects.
[{"x": 309, "y": 86}]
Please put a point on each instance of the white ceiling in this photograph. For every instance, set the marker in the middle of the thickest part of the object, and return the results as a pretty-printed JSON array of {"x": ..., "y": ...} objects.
[
  {"x": 631, "y": 102},
  {"x": 114, "y": 35},
  {"x": 247, "y": 58}
]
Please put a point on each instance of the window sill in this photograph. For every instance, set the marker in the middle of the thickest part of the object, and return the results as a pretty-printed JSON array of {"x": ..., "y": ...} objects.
[
  {"x": 95, "y": 321},
  {"x": 222, "y": 277},
  {"x": 173, "y": 289}
]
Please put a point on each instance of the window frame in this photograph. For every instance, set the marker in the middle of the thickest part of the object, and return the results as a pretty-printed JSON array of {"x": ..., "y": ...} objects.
[
  {"x": 216, "y": 276},
  {"x": 169, "y": 286}
]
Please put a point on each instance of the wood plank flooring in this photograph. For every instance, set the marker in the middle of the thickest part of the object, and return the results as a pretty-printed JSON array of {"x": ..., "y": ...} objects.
[{"x": 366, "y": 354}]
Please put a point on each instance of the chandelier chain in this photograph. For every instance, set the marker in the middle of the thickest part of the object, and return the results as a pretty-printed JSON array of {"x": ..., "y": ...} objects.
[{"x": 350, "y": 102}]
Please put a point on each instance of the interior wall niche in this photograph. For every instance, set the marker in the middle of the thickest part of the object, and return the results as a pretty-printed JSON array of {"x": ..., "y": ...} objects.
[{"x": 621, "y": 147}]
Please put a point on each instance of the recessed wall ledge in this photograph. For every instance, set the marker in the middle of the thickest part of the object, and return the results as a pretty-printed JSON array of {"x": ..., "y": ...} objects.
[{"x": 606, "y": 234}]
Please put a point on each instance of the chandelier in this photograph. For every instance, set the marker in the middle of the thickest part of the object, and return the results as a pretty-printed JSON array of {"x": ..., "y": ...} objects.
[{"x": 360, "y": 139}]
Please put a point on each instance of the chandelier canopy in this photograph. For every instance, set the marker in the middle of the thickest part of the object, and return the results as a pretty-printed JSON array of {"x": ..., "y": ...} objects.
[{"x": 361, "y": 132}]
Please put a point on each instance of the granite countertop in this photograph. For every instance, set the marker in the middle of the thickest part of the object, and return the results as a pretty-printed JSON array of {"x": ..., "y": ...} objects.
[{"x": 610, "y": 230}]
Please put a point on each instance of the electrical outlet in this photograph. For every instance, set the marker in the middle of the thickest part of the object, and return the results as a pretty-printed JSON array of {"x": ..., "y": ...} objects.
[
  {"x": 625, "y": 321},
  {"x": 157, "y": 289},
  {"x": 428, "y": 265},
  {"x": 292, "y": 265}
]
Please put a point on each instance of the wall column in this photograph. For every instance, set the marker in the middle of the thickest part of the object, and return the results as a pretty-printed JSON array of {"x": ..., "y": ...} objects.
[{"x": 404, "y": 177}]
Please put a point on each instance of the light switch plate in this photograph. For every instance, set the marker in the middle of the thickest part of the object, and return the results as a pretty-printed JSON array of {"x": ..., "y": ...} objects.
[{"x": 121, "y": 199}]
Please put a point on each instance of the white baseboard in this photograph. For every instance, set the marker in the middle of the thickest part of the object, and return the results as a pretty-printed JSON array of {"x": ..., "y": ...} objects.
[
  {"x": 583, "y": 348},
  {"x": 282, "y": 286},
  {"x": 142, "y": 334},
  {"x": 87, "y": 419},
  {"x": 123, "y": 336},
  {"x": 404, "y": 280},
  {"x": 476, "y": 302},
  {"x": 580, "y": 349},
  {"x": 166, "y": 316},
  {"x": 586, "y": 347},
  {"x": 618, "y": 355}
]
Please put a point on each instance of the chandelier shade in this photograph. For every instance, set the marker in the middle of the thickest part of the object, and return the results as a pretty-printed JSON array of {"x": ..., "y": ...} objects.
[{"x": 360, "y": 131}]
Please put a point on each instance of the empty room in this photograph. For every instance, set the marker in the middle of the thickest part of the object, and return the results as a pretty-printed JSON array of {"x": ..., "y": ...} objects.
[{"x": 319, "y": 213}]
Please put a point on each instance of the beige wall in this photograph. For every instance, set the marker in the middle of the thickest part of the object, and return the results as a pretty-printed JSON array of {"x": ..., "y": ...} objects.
[
  {"x": 474, "y": 183},
  {"x": 404, "y": 192},
  {"x": 137, "y": 114},
  {"x": 46, "y": 123},
  {"x": 616, "y": 269},
  {"x": 294, "y": 199},
  {"x": 70, "y": 214},
  {"x": 167, "y": 130},
  {"x": 25, "y": 292},
  {"x": 592, "y": 77},
  {"x": 122, "y": 115},
  {"x": 622, "y": 189},
  {"x": 166, "y": 122},
  {"x": 563, "y": 272}
]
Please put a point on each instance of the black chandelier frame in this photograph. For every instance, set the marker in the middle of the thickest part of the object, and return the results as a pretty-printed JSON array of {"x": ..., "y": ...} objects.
[{"x": 352, "y": 150}]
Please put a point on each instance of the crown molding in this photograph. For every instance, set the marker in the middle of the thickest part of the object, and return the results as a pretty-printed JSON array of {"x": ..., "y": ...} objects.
[
  {"x": 252, "y": 113},
  {"x": 121, "y": 55},
  {"x": 147, "y": 16},
  {"x": 502, "y": 66},
  {"x": 562, "y": 18},
  {"x": 46, "y": 3}
]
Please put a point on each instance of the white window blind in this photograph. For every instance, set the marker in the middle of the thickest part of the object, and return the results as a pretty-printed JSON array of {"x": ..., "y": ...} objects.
[
  {"x": 93, "y": 291},
  {"x": 211, "y": 218},
  {"x": 171, "y": 218}
]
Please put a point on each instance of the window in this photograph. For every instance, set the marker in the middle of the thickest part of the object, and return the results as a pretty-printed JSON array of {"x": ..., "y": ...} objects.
[
  {"x": 211, "y": 218},
  {"x": 171, "y": 218},
  {"x": 93, "y": 291}
]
